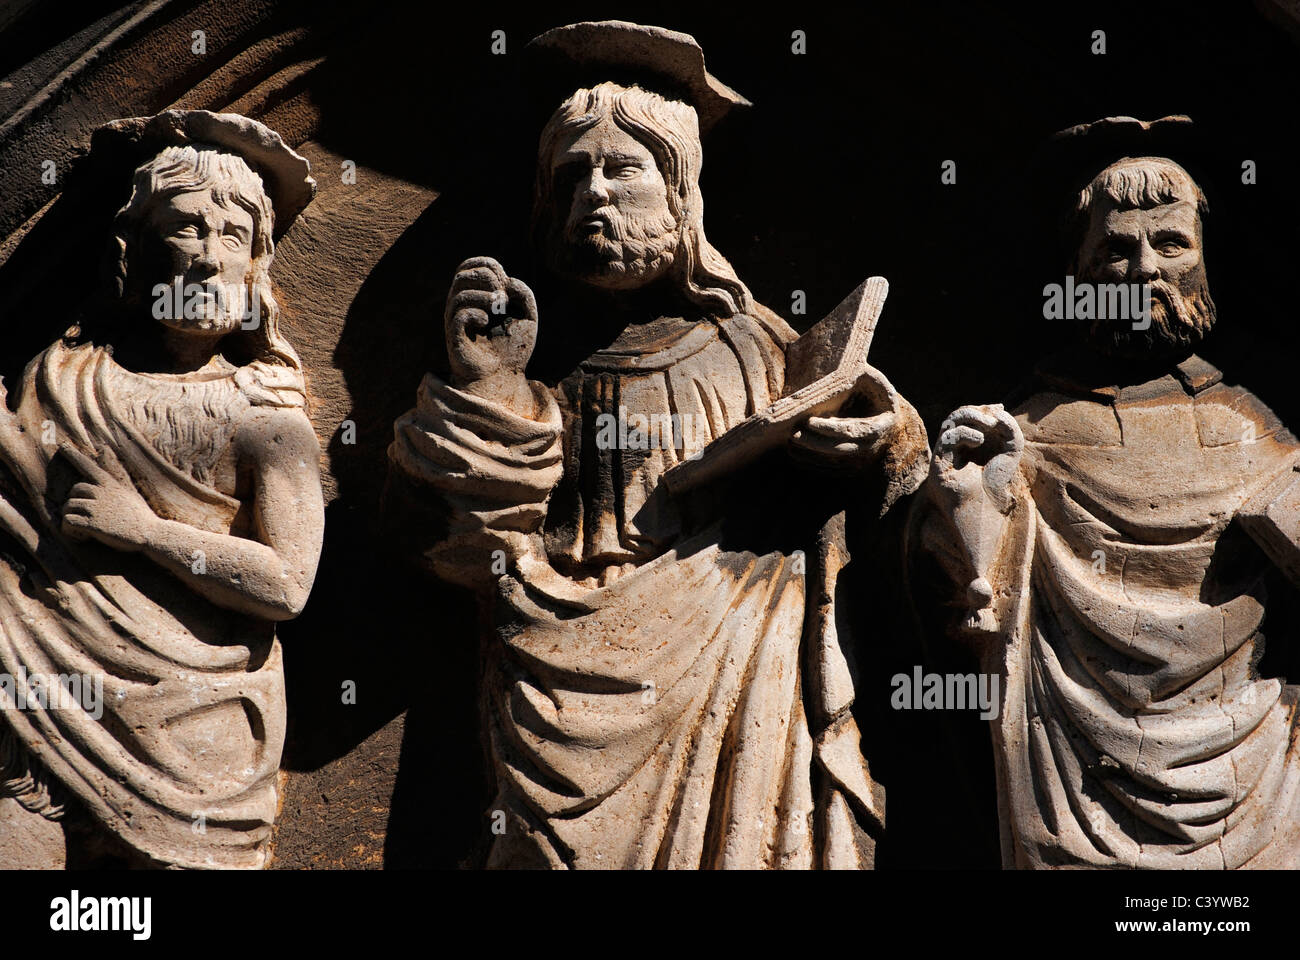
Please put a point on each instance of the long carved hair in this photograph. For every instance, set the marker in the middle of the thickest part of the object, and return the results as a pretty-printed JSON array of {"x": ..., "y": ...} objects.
[
  {"x": 670, "y": 130},
  {"x": 184, "y": 169}
]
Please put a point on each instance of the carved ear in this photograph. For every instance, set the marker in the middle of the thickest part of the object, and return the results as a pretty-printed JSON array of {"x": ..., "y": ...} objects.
[{"x": 121, "y": 256}]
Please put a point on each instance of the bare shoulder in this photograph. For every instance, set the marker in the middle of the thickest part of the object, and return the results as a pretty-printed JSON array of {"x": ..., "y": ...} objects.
[{"x": 279, "y": 435}]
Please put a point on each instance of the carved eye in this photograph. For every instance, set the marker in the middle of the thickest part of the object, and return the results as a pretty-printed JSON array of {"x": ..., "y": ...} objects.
[
  {"x": 1171, "y": 248},
  {"x": 186, "y": 231},
  {"x": 625, "y": 171},
  {"x": 233, "y": 241}
]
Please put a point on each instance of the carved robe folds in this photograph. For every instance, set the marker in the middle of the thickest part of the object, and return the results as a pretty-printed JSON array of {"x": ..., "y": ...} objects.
[
  {"x": 646, "y": 689},
  {"x": 1135, "y": 731},
  {"x": 194, "y": 706}
]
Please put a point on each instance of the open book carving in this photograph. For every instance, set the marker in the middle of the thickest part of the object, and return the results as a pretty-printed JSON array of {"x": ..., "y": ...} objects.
[{"x": 821, "y": 369}]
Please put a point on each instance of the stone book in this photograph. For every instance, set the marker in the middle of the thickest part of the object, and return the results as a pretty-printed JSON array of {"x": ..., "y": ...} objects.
[{"x": 821, "y": 369}]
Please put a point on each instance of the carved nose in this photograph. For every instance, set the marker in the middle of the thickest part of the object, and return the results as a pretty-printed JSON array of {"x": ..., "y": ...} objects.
[
  {"x": 207, "y": 263},
  {"x": 594, "y": 188},
  {"x": 1143, "y": 266},
  {"x": 979, "y": 593}
]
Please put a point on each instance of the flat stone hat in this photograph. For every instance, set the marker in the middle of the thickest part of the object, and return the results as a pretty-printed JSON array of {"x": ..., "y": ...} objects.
[
  {"x": 1077, "y": 154},
  {"x": 665, "y": 61},
  {"x": 286, "y": 175},
  {"x": 1069, "y": 160}
]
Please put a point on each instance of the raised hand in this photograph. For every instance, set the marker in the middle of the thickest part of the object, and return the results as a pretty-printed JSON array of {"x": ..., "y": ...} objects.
[
  {"x": 986, "y": 437},
  {"x": 491, "y": 328}
]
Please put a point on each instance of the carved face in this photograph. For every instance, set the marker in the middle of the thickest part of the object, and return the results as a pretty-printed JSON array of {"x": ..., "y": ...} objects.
[
  {"x": 208, "y": 243},
  {"x": 1138, "y": 246},
  {"x": 1159, "y": 245},
  {"x": 619, "y": 231}
]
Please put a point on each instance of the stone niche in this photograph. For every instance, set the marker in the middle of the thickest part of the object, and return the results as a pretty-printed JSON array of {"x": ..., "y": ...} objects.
[{"x": 421, "y": 129}]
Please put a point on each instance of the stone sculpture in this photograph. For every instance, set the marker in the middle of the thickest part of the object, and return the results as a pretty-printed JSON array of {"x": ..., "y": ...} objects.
[
  {"x": 1104, "y": 539},
  {"x": 160, "y": 510},
  {"x": 658, "y": 692}
]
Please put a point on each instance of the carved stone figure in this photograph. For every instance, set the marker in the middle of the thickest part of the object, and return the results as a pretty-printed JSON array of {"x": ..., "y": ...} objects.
[
  {"x": 1104, "y": 538},
  {"x": 664, "y": 681},
  {"x": 160, "y": 510}
]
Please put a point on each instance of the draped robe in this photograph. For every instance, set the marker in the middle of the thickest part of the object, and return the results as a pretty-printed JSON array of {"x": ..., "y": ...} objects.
[
  {"x": 652, "y": 700},
  {"x": 182, "y": 765},
  {"x": 1135, "y": 730}
]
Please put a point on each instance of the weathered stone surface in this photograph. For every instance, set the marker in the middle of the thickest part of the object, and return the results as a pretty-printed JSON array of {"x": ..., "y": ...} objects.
[
  {"x": 337, "y": 818},
  {"x": 1092, "y": 538},
  {"x": 28, "y": 842},
  {"x": 661, "y": 690},
  {"x": 840, "y": 171},
  {"x": 161, "y": 487}
]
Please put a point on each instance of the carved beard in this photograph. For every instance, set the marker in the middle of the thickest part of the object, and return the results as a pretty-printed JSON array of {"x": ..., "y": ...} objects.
[
  {"x": 627, "y": 247},
  {"x": 223, "y": 314},
  {"x": 1178, "y": 324}
]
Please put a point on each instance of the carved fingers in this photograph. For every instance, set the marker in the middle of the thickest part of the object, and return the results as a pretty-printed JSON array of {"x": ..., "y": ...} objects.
[
  {"x": 969, "y": 431},
  {"x": 104, "y": 506},
  {"x": 81, "y": 511},
  {"x": 985, "y": 437},
  {"x": 491, "y": 322},
  {"x": 842, "y": 443},
  {"x": 868, "y": 421}
]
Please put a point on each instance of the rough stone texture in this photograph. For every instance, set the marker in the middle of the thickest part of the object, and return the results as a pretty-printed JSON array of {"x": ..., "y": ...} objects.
[
  {"x": 662, "y": 689},
  {"x": 27, "y": 842},
  {"x": 337, "y": 247},
  {"x": 832, "y": 176},
  {"x": 1097, "y": 540},
  {"x": 261, "y": 60},
  {"x": 337, "y": 818},
  {"x": 161, "y": 508}
]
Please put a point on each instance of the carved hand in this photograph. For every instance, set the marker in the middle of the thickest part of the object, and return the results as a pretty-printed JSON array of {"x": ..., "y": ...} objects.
[
  {"x": 846, "y": 442},
  {"x": 491, "y": 328},
  {"x": 989, "y": 438},
  {"x": 105, "y": 507}
]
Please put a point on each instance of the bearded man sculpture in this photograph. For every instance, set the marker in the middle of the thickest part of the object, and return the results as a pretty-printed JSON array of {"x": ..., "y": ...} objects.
[
  {"x": 160, "y": 509},
  {"x": 1104, "y": 542},
  {"x": 659, "y": 692}
]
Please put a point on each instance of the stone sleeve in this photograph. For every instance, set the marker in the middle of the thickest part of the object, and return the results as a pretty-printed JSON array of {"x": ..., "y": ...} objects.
[
  {"x": 468, "y": 477},
  {"x": 905, "y": 455}
]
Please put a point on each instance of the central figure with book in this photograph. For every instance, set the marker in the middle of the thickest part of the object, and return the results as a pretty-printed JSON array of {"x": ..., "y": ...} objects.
[{"x": 664, "y": 682}]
